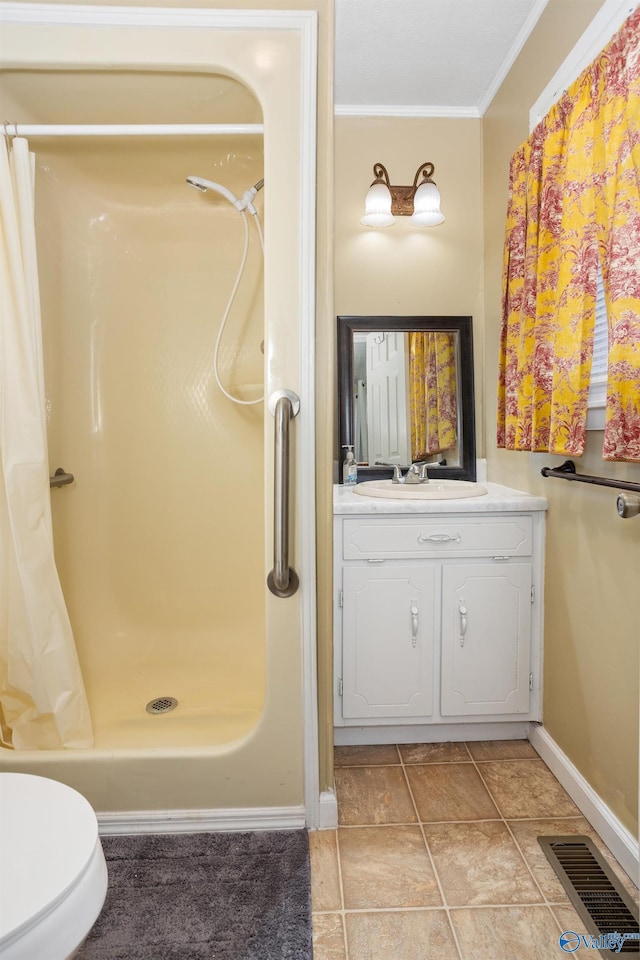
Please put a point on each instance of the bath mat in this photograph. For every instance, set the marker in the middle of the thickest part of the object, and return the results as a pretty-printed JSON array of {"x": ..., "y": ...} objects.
[{"x": 205, "y": 896}]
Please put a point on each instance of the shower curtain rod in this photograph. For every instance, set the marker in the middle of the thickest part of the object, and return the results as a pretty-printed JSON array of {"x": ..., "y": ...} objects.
[{"x": 129, "y": 129}]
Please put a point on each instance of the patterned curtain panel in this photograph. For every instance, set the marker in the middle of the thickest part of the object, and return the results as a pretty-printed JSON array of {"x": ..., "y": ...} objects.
[
  {"x": 433, "y": 393},
  {"x": 574, "y": 200}
]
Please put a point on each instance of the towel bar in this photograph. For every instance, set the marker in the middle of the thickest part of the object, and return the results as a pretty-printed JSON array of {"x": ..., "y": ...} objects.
[{"x": 567, "y": 471}]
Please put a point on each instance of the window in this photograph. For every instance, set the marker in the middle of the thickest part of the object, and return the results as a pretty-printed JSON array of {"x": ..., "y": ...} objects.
[
  {"x": 610, "y": 17},
  {"x": 598, "y": 385}
]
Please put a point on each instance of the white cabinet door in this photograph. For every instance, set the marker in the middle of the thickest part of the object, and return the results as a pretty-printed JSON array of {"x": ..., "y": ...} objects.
[
  {"x": 388, "y": 633},
  {"x": 486, "y": 638}
]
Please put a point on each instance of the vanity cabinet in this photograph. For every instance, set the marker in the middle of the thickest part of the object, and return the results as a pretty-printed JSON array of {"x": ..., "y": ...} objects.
[{"x": 438, "y": 615}]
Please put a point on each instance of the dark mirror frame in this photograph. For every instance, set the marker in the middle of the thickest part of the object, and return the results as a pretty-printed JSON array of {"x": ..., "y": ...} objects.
[{"x": 347, "y": 326}]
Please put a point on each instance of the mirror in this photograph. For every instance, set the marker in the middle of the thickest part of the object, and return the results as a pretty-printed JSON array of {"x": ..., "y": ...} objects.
[{"x": 405, "y": 394}]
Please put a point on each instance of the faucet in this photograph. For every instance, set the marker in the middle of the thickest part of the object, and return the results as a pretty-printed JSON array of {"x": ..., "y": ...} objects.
[{"x": 417, "y": 473}]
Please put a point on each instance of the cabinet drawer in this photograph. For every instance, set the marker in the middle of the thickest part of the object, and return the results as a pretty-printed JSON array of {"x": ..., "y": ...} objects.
[{"x": 437, "y": 537}]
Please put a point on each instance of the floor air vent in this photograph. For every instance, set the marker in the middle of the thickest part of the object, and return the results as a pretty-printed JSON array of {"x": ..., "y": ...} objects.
[{"x": 606, "y": 909}]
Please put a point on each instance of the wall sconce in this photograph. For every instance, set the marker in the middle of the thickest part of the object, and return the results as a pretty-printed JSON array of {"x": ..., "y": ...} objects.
[{"x": 420, "y": 202}]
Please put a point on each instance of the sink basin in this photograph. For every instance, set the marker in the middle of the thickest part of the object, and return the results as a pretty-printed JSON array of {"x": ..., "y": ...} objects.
[{"x": 433, "y": 490}]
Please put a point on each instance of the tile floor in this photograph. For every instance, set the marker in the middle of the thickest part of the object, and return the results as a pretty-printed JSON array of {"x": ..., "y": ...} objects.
[{"x": 436, "y": 855}]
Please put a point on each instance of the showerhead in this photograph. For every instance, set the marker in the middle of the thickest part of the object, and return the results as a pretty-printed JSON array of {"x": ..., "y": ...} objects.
[
  {"x": 244, "y": 204},
  {"x": 203, "y": 185}
]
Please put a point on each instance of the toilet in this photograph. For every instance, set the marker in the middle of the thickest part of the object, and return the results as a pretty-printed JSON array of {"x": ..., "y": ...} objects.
[{"x": 53, "y": 875}]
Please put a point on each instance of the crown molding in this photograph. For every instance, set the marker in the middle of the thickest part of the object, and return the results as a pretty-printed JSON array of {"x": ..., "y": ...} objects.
[
  {"x": 511, "y": 57},
  {"x": 400, "y": 110}
]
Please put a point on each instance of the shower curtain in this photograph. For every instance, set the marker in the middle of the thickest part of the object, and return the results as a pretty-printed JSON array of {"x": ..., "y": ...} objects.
[{"x": 42, "y": 698}]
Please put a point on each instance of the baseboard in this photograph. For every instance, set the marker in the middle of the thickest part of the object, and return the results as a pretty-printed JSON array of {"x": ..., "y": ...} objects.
[
  {"x": 621, "y": 842},
  {"x": 430, "y": 733},
  {"x": 129, "y": 822},
  {"x": 328, "y": 810}
]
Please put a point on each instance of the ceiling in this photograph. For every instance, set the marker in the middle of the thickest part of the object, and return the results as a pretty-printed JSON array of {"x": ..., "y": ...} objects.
[{"x": 426, "y": 57}]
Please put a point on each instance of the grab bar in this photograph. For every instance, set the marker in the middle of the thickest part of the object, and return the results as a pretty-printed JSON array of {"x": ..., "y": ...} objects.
[
  {"x": 61, "y": 478},
  {"x": 567, "y": 471},
  {"x": 283, "y": 580}
]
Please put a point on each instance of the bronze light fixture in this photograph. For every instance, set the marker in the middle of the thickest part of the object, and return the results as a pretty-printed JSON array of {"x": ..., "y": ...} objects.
[{"x": 420, "y": 202}]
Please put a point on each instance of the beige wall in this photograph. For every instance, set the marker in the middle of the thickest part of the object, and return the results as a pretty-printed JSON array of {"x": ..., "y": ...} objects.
[
  {"x": 591, "y": 620},
  {"x": 402, "y": 269}
]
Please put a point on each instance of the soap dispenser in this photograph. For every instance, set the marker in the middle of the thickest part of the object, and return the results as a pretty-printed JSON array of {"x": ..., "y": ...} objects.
[{"x": 349, "y": 467}]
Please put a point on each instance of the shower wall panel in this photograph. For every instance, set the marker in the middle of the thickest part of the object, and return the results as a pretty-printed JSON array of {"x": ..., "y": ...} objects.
[{"x": 159, "y": 542}]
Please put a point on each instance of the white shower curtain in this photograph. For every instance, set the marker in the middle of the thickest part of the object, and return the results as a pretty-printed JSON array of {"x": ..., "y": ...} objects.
[{"x": 42, "y": 697}]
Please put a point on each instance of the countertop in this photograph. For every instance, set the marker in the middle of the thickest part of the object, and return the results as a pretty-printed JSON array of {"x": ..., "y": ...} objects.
[{"x": 498, "y": 499}]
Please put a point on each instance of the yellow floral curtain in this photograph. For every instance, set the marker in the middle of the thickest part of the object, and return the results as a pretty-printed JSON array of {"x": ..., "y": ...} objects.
[
  {"x": 574, "y": 201},
  {"x": 433, "y": 393}
]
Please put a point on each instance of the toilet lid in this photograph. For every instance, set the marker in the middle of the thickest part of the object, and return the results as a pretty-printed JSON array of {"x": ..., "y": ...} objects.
[{"x": 48, "y": 833}]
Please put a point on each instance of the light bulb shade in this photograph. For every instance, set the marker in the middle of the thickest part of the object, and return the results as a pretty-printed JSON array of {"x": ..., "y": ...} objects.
[
  {"x": 426, "y": 206},
  {"x": 377, "y": 206}
]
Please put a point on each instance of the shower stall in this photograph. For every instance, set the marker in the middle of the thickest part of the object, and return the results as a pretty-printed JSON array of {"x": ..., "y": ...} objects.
[{"x": 160, "y": 310}]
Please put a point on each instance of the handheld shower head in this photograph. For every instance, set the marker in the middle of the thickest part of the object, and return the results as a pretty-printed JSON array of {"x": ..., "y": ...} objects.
[
  {"x": 246, "y": 201},
  {"x": 195, "y": 182},
  {"x": 203, "y": 185},
  {"x": 242, "y": 205}
]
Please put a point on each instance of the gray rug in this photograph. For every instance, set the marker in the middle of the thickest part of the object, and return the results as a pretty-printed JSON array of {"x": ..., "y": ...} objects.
[{"x": 216, "y": 896}]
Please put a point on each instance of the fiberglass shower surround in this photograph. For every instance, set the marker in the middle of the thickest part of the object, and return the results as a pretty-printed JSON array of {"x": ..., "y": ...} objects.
[
  {"x": 164, "y": 540},
  {"x": 45, "y": 729}
]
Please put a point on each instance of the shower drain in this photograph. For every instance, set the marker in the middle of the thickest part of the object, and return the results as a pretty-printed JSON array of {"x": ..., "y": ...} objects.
[{"x": 161, "y": 705}]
